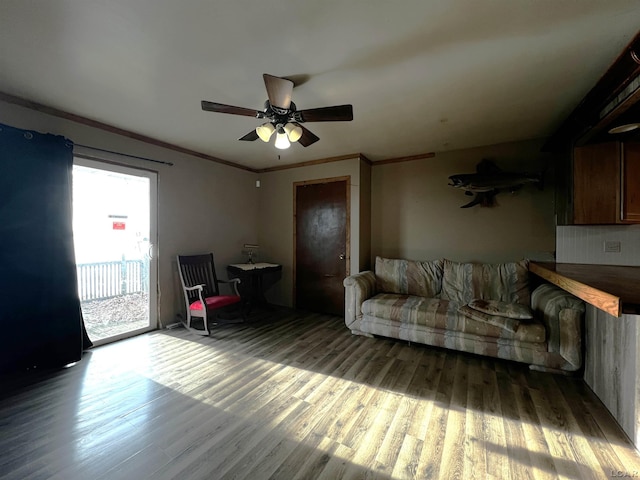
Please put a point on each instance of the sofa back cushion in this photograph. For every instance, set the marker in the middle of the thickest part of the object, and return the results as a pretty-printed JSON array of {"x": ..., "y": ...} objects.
[
  {"x": 506, "y": 282},
  {"x": 409, "y": 277}
]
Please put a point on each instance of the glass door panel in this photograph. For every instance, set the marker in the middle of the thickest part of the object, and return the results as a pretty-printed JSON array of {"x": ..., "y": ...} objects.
[{"x": 113, "y": 228}]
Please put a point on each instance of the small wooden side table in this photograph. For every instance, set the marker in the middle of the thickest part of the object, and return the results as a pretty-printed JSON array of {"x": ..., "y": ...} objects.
[{"x": 255, "y": 279}]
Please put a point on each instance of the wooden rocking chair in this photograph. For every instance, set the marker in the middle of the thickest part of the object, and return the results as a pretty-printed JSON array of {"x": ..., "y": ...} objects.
[{"x": 202, "y": 297}]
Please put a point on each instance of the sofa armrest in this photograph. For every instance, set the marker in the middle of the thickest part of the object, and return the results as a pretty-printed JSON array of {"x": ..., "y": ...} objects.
[
  {"x": 563, "y": 317},
  {"x": 358, "y": 288}
]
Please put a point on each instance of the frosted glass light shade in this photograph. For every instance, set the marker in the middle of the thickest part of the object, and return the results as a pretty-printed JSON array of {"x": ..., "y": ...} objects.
[
  {"x": 265, "y": 131},
  {"x": 282, "y": 142},
  {"x": 293, "y": 132},
  {"x": 620, "y": 128}
]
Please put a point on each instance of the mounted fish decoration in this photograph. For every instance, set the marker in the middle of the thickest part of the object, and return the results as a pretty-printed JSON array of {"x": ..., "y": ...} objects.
[{"x": 489, "y": 181}]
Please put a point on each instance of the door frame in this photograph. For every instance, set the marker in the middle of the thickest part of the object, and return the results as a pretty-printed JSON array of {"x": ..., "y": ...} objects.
[
  {"x": 347, "y": 180},
  {"x": 152, "y": 175}
]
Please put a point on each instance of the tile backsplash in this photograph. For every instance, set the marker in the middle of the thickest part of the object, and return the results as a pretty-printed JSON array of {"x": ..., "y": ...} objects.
[{"x": 586, "y": 244}]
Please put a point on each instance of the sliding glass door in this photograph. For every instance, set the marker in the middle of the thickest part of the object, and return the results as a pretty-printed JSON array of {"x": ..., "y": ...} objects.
[{"x": 114, "y": 228}]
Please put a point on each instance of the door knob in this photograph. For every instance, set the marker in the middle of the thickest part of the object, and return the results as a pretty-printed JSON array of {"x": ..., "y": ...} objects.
[{"x": 343, "y": 256}]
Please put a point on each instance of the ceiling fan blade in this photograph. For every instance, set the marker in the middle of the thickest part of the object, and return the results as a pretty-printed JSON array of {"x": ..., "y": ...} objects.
[
  {"x": 221, "y": 108},
  {"x": 278, "y": 90},
  {"x": 307, "y": 138},
  {"x": 338, "y": 113},
  {"x": 250, "y": 137}
]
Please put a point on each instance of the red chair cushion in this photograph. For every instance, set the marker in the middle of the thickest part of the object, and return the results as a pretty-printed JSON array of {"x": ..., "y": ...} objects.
[{"x": 216, "y": 302}]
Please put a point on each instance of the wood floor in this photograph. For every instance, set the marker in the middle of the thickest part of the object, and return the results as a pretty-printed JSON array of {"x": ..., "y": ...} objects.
[{"x": 298, "y": 397}]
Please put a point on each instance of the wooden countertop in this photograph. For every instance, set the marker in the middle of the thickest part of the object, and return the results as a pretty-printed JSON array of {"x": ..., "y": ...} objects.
[{"x": 613, "y": 289}]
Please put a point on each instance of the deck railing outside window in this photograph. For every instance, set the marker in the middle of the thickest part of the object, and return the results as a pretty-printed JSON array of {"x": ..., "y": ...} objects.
[{"x": 111, "y": 279}]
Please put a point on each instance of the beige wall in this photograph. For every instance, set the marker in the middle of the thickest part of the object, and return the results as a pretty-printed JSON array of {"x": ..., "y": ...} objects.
[
  {"x": 404, "y": 210},
  {"x": 416, "y": 215},
  {"x": 203, "y": 206},
  {"x": 275, "y": 223}
]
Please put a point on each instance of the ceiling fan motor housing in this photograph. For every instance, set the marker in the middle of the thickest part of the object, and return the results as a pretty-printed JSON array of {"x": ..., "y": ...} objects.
[{"x": 281, "y": 116}]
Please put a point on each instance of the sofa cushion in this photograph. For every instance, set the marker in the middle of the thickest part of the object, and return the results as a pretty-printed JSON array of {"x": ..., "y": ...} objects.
[
  {"x": 423, "y": 279},
  {"x": 507, "y": 323},
  {"x": 410, "y": 309},
  {"x": 506, "y": 282},
  {"x": 418, "y": 312},
  {"x": 502, "y": 309},
  {"x": 218, "y": 301},
  {"x": 501, "y": 347}
]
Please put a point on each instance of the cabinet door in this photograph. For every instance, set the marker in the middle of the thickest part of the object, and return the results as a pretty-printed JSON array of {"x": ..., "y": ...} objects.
[
  {"x": 596, "y": 184},
  {"x": 631, "y": 182}
]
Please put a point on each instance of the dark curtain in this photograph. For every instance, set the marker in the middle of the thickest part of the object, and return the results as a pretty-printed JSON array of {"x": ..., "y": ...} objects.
[{"x": 40, "y": 317}]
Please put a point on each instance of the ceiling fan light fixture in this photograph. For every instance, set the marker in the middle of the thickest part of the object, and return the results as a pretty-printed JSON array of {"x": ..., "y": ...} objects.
[
  {"x": 279, "y": 109},
  {"x": 293, "y": 132},
  {"x": 282, "y": 142},
  {"x": 265, "y": 131}
]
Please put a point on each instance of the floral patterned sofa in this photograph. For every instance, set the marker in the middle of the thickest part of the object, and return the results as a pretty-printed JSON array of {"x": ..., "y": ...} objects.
[{"x": 486, "y": 309}]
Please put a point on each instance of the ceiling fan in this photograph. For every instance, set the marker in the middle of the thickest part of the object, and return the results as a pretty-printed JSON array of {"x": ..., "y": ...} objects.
[{"x": 284, "y": 118}]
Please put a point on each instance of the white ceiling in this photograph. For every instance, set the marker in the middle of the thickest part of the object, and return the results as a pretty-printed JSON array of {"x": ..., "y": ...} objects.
[{"x": 422, "y": 76}]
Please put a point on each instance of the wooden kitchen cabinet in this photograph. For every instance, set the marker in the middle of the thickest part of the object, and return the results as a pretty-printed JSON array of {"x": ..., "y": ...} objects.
[
  {"x": 631, "y": 182},
  {"x": 606, "y": 184}
]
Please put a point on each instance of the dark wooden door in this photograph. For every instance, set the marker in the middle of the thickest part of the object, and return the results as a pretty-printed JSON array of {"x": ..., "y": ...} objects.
[{"x": 321, "y": 245}]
